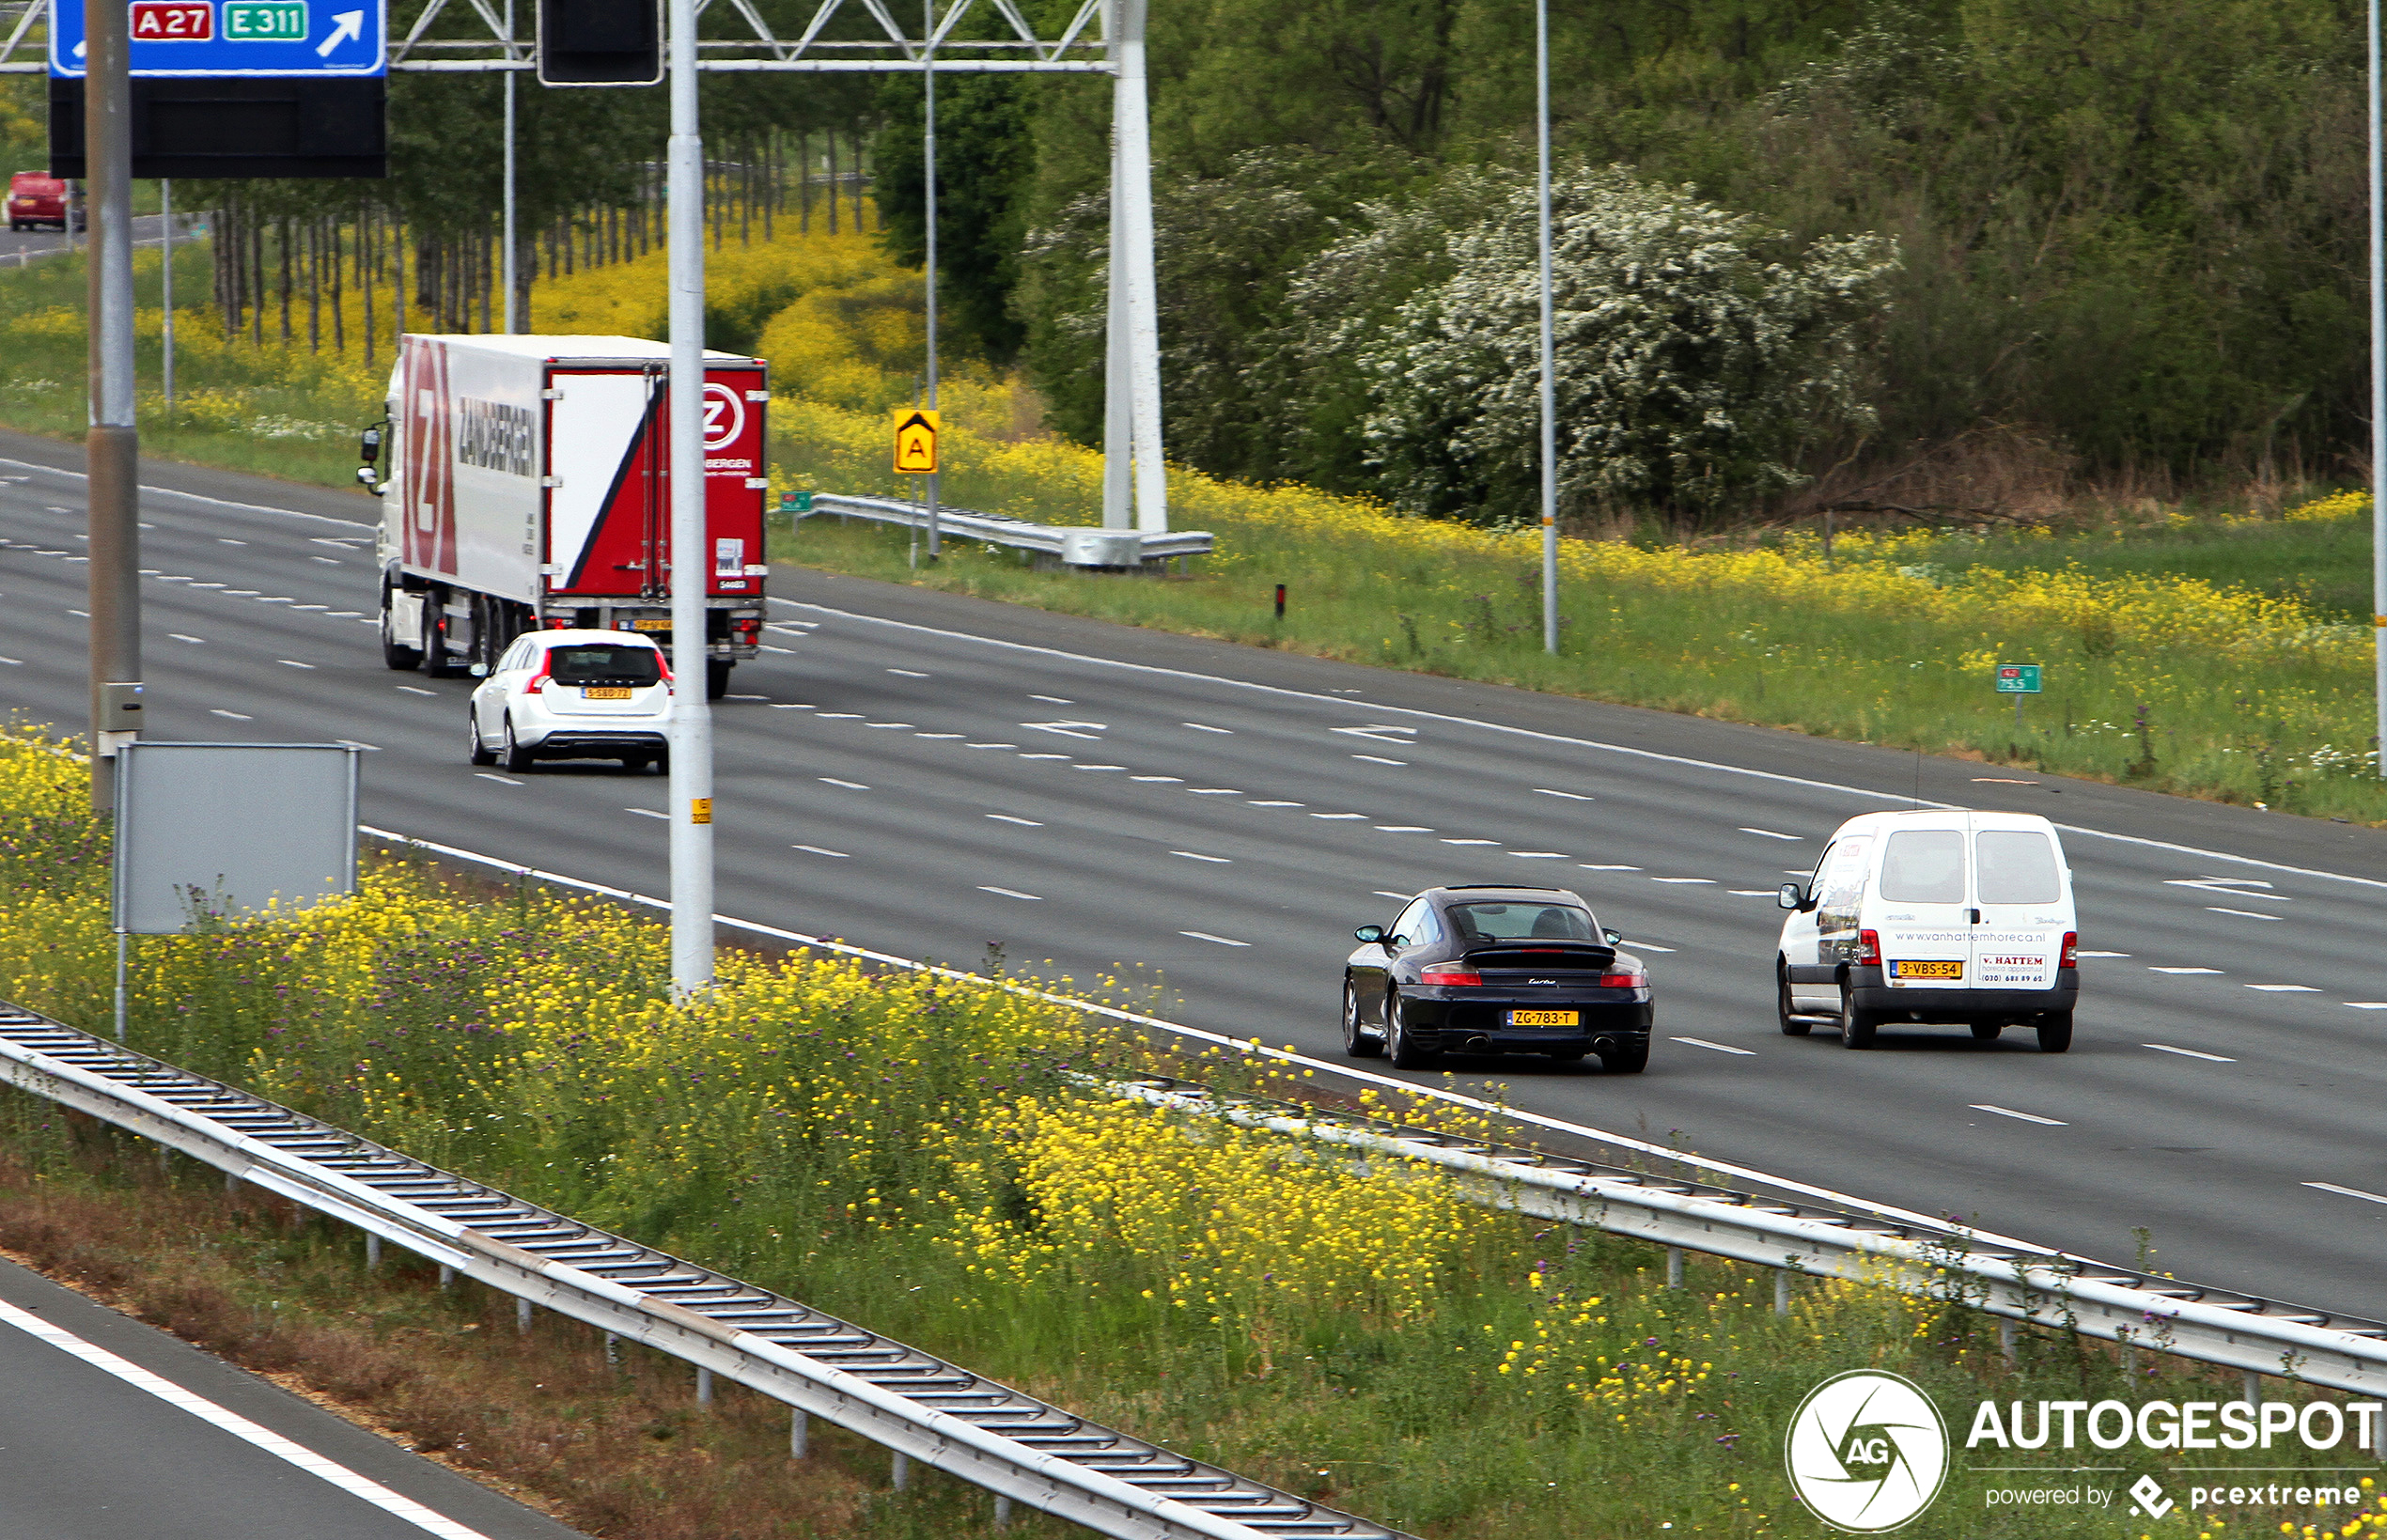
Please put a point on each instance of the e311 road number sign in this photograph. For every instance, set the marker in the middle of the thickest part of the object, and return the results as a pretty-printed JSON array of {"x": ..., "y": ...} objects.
[{"x": 236, "y": 37}]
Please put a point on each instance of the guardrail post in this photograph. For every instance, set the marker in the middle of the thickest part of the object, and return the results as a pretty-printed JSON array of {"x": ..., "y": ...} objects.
[
  {"x": 232, "y": 1183},
  {"x": 1673, "y": 1266},
  {"x": 613, "y": 1354},
  {"x": 521, "y": 1315},
  {"x": 2252, "y": 1383},
  {"x": 446, "y": 1275},
  {"x": 900, "y": 1474},
  {"x": 1002, "y": 1512},
  {"x": 799, "y": 1433},
  {"x": 2006, "y": 1341},
  {"x": 1782, "y": 1291},
  {"x": 372, "y": 1251},
  {"x": 703, "y": 1386}
]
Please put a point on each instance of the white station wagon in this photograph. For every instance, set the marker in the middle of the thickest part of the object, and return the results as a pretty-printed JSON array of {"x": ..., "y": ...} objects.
[
  {"x": 1933, "y": 916},
  {"x": 573, "y": 694}
]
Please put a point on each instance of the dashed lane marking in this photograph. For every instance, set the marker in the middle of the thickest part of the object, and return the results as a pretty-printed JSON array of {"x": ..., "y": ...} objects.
[
  {"x": 409, "y": 689},
  {"x": 2188, "y": 1053},
  {"x": 2349, "y": 1191},
  {"x": 2285, "y": 988},
  {"x": 1196, "y": 855},
  {"x": 849, "y": 785},
  {"x": 1206, "y": 936},
  {"x": 1380, "y": 759},
  {"x": 235, "y": 716},
  {"x": 1769, "y": 833},
  {"x": 1720, "y": 1048},
  {"x": 819, "y": 850},
  {"x": 2242, "y": 913},
  {"x": 1570, "y": 796},
  {"x": 501, "y": 780},
  {"x": 1024, "y": 823},
  {"x": 1206, "y": 727},
  {"x": 1011, "y": 893},
  {"x": 2155, "y": 970},
  {"x": 649, "y": 812},
  {"x": 2026, "y": 1117}
]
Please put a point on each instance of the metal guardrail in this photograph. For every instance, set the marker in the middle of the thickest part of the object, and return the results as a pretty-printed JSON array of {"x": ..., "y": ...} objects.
[
  {"x": 1073, "y": 545},
  {"x": 2017, "y": 1282},
  {"x": 917, "y": 1405}
]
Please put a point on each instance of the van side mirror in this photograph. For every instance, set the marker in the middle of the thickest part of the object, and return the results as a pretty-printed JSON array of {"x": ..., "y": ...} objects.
[
  {"x": 1795, "y": 897},
  {"x": 1615, "y": 938},
  {"x": 1369, "y": 933},
  {"x": 368, "y": 446}
]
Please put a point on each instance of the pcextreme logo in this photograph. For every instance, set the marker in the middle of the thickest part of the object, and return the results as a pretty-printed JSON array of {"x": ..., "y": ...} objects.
[{"x": 1867, "y": 1451}]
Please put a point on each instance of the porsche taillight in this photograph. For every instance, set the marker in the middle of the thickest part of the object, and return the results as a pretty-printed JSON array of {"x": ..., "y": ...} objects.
[{"x": 1449, "y": 976}]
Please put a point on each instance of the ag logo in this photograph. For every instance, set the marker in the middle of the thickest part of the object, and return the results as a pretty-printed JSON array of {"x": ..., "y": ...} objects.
[{"x": 1867, "y": 1451}]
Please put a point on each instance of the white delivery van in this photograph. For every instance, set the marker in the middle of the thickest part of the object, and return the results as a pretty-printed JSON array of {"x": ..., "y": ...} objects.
[{"x": 1943, "y": 915}]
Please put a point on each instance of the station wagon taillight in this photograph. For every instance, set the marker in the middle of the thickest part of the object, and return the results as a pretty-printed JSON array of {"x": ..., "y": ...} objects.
[
  {"x": 1869, "y": 948},
  {"x": 1447, "y": 976},
  {"x": 538, "y": 685},
  {"x": 2071, "y": 957}
]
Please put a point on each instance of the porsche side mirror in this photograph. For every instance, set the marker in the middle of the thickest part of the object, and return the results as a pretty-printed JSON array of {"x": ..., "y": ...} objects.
[
  {"x": 1369, "y": 933},
  {"x": 1615, "y": 938}
]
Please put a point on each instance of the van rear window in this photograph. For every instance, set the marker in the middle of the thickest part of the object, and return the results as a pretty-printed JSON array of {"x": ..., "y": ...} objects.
[
  {"x": 1924, "y": 866},
  {"x": 2017, "y": 866},
  {"x": 602, "y": 664}
]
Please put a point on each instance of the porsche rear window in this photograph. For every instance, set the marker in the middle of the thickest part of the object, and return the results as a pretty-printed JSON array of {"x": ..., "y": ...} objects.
[
  {"x": 1540, "y": 921},
  {"x": 602, "y": 664}
]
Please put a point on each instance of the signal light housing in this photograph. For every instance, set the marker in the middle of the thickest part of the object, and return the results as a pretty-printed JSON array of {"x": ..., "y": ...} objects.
[
  {"x": 1869, "y": 949},
  {"x": 600, "y": 42},
  {"x": 2071, "y": 955}
]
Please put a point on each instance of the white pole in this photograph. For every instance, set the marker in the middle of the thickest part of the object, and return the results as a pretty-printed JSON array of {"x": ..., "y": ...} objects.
[
  {"x": 929, "y": 154},
  {"x": 2377, "y": 414},
  {"x": 1118, "y": 430},
  {"x": 1548, "y": 385},
  {"x": 513, "y": 310},
  {"x": 690, "y": 718},
  {"x": 166, "y": 205},
  {"x": 1131, "y": 191}
]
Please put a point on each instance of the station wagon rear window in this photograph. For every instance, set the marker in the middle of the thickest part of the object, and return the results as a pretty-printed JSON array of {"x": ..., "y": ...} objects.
[{"x": 602, "y": 664}]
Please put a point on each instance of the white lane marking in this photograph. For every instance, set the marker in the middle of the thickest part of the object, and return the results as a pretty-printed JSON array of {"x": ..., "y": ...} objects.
[
  {"x": 1402, "y": 829},
  {"x": 1590, "y": 866},
  {"x": 1768, "y": 892},
  {"x": 2243, "y": 913},
  {"x": 794, "y": 706},
  {"x": 1720, "y": 1048},
  {"x": 206, "y": 585},
  {"x": 1099, "y": 766},
  {"x": 905, "y": 725},
  {"x": 273, "y": 599},
  {"x": 2285, "y": 988},
  {"x": 227, "y": 540},
  {"x": 343, "y": 614},
  {"x": 814, "y": 850},
  {"x": 1206, "y": 727},
  {"x": 2367, "y": 1005},
  {"x": 1171, "y": 780},
  {"x": 1769, "y": 833},
  {"x": 1044, "y": 756},
  {"x": 767, "y": 648},
  {"x": 1011, "y": 893},
  {"x": 1053, "y": 700},
  {"x": 1214, "y": 791},
  {"x": 1380, "y": 759},
  {"x": 2104, "y": 954},
  {"x": 990, "y": 745},
  {"x": 2155, "y": 970},
  {"x": 1404, "y": 897},
  {"x": 370, "y": 748},
  {"x": 1206, "y": 936},
  {"x": 1378, "y": 730},
  {"x": 649, "y": 812},
  {"x": 939, "y": 736},
  {"x": 1570, "y": 796},
  {"x": 1329, "y": 1066},
  {"x": 239, "y": 1427},
  {"x": 2349, "y": 1191},
  {"x": 417, "y": 689},
  {"x": 13, "y": 662},
  {"x": 296, "y": 608},
  {"x": 1471, "y": 842},
  {"x": 1257, "y": 802},
  {"x": 1196, "y": 855},
  {"x": 766, "y": 697},
  {"x": 292, "y": 662},
  {"x": 1338, "y": 817},
  {"x": 909, "y": 673},
  {"x": 1539, "y": 855},
  {"x": 1701, "y": 881},
  {"x": 1024, "y": 823},
  {"x": 2027, "y": 1117},
  {"x": 1644, "y": 946},
  {"x": 849, "y": 785},
  {"x": 503, "y": 781},
  {"x": 1868, "y": 793},
  {"x": 787, "y": 630},
  {"x": 2229, "y": 887},
  {"x": 840, "y": 716},
  {"x": 2188, "y": 1053},
  {"x": 174, "y": 577},
  {"x": 85, "y": 614},
  {"x": 235, "y": 716}
]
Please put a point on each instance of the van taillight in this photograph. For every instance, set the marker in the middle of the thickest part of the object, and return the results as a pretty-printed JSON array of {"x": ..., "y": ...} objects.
[
  {"x": 1869, "y": 948},
  {"x": 2071, "y": 957},
  {"x": 1449, "y": 976}
]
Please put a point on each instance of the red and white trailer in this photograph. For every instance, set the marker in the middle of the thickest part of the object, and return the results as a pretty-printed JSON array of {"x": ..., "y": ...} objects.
[{"x": 528, "y": 486}]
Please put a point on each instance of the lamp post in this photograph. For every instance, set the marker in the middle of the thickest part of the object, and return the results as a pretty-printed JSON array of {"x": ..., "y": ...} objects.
[
  {"x": 690, "y": 732},
  {"x": 2378, "y": 415},
  {"x": 1549, "y": 382}
]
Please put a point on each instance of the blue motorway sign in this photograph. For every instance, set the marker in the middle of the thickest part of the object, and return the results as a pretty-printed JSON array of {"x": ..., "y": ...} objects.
[{"x": 236, "y": 37}]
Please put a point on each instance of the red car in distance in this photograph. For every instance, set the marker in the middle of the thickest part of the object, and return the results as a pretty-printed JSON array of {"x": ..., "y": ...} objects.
[{"x": 37, "y": 197}]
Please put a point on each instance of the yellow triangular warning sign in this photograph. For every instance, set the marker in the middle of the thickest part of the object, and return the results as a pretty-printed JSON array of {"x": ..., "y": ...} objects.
[{"x": 916, "y": 440}]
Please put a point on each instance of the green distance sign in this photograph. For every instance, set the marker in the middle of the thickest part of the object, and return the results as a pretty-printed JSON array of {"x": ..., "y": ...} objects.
[
  {"x": 265, "y": 21},
  {"x": 2018, "y": 679}
]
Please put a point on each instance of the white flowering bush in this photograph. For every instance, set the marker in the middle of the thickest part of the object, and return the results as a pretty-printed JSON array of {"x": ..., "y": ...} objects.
[{"x": 1695, "y": 354}]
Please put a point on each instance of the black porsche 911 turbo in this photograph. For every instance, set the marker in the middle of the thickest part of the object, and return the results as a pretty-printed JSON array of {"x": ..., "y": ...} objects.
[{"x": 1495, "y": 969}]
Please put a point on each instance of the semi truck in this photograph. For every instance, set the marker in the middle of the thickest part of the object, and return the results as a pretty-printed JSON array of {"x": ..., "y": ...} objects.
[{"x": 526, "y": 484}]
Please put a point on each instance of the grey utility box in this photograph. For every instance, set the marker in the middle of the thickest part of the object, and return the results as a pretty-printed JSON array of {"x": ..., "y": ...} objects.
[{"x": 226, "y": 830}]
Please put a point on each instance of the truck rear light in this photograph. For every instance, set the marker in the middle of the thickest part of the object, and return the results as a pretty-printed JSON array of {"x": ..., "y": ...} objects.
[
  {"x": 2071, "y": 956},
  {"x": 559, "y": 622},
  {"x": 1869, "y": 948},
  {"x": 1446, "y": 977}
]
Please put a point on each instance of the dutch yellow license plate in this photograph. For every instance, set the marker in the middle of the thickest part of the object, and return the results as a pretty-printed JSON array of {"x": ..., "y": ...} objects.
[
  {"x": 1544, "y": 1019},
  {"x": 605, "y": 693},
  {"x": 1909, "y": 969},
  {"x": 651, "y": 625}
]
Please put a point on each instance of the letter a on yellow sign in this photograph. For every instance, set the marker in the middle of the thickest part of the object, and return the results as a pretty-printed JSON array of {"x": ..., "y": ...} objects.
[{"x": 915, "y": 446}]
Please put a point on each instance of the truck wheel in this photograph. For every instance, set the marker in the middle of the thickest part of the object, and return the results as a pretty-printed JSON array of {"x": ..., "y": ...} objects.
[
  {"x": 437, "y": 661},
  {"x": 403, "y": 659},
  {"x": 717, "y": 677},
  {"x": 2055, "y": 1032},
  {"x": 1856, "y": 1026}
]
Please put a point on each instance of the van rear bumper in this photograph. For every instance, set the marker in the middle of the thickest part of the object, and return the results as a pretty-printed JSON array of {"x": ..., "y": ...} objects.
[{"x": 1928, "y": 1005}]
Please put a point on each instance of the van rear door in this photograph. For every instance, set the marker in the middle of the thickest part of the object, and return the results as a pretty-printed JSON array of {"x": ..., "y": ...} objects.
[
  {"x": 2019, "y": 884},
  {"x": 1924, "y": 908}
]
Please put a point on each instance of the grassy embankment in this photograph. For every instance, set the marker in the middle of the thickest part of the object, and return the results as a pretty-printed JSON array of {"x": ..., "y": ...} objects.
[
  {"x": 912, "y": 1154},
  {"x": 2220, "y": 655}
]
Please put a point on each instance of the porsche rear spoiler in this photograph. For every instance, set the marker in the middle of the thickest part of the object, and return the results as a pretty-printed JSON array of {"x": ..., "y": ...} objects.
[{"x": 1531, "y": 953}]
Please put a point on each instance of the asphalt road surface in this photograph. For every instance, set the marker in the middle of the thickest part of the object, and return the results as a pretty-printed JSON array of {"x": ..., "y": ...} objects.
[
  {"x": 928, "y": 774},
  {"x": 18, "y": 247},
  {"x": 112, "y": 1429}
]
